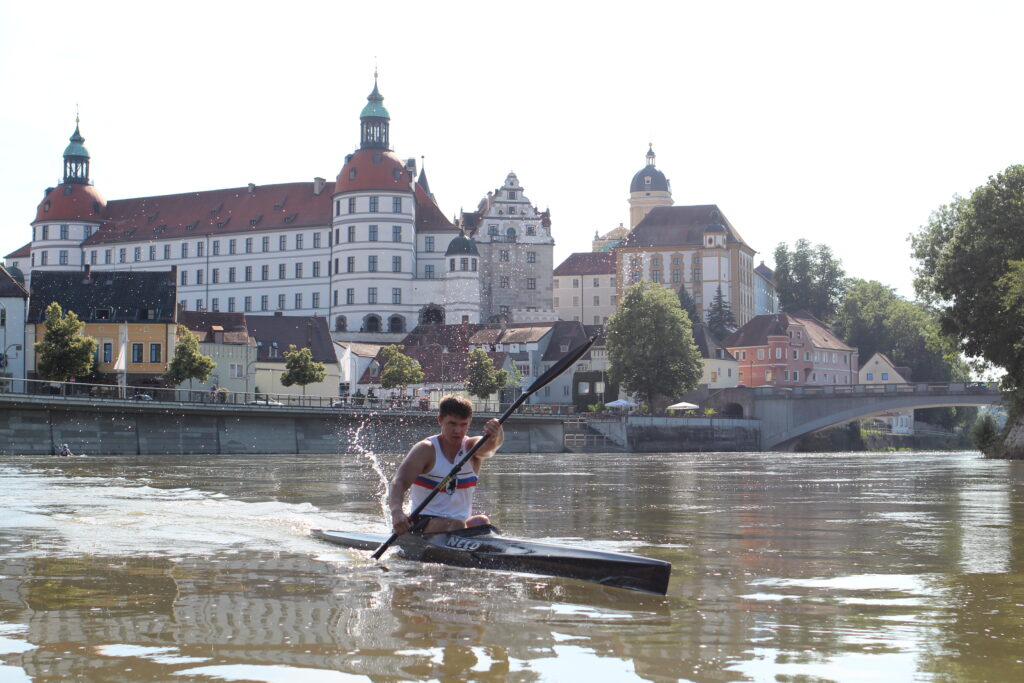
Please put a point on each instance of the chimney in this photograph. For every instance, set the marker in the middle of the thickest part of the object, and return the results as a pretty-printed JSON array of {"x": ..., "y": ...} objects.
[
  {"x": 252, "y": 188},
  {"x": 318, "y": 186}
]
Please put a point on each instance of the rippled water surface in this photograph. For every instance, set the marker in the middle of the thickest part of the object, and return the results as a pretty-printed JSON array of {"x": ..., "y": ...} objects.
[{"x": 793, "y": 568}]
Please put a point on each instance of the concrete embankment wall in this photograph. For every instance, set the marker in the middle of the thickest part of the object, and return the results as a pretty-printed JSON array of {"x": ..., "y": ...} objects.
[
  {"x": 38, "y": 426},
  {"x": 641, "y": 434}
]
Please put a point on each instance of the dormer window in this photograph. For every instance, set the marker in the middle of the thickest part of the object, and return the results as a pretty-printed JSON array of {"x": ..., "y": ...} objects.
[
  {"x": 102, "y": 314},
  {"x": 647, "y": 180}
]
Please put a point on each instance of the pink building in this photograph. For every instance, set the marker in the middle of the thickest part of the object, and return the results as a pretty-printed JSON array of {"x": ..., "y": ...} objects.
[{"x": 791, "y": 349}]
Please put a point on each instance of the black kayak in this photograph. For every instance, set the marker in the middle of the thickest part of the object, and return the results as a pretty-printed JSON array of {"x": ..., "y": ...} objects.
[{"x": 483, "y": 548}]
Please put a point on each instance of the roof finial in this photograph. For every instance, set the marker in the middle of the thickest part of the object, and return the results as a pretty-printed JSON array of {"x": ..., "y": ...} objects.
[{"x": 375, "y": 68}]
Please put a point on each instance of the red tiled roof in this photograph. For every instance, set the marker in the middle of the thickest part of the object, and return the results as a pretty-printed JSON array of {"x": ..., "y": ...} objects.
[
  {"x": 71, "y": 202},
  {"x": 22, "y": 252},
  {"x": 588, "y": 263},
  {"x": 218, "y": 212},
  {"x": 10, "y": 287},
  {"x": 375, "y": 169},
  {"x": 202, "y": 323},
  {"x": 429, "y": 217},
  {"x": 757, "y": 331}
]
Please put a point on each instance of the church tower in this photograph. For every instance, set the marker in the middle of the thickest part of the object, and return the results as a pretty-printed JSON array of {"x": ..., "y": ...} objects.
[{"x": 649, "y": 189}]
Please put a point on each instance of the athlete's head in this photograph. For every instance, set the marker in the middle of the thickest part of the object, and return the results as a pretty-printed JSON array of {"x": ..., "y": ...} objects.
[{"x": 456, "y": 406}]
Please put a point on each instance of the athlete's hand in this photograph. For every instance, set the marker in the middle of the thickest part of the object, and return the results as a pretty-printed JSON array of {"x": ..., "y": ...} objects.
[
  {"x": 400, "y": 522},
  {"x": 493, "y": 428}
]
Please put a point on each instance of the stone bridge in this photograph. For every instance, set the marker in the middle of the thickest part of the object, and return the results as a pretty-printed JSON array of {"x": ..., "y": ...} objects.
[{"x": 787, "y": 413}]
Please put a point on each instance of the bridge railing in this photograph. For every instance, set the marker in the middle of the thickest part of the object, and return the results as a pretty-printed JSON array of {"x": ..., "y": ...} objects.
[{"x": 878, "y": 389}]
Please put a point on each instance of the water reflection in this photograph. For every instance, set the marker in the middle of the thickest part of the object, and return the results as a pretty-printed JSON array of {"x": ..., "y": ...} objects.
[{"x": 836, "y": 567}]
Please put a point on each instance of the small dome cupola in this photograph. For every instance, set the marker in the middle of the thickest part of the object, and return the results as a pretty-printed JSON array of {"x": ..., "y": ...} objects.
[
  {"x": 374, "y": 121},
  {"x": 649, "y": 178},
  {"x": 76, "y": 159},
  {"x": 462, "y": 246},
  {"x": 650, "y": 154}
]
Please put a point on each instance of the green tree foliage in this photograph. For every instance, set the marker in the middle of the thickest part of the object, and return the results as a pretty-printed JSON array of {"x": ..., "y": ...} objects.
[
  {"x": 688, "y": 304},
  {"x": 874, "y": 319},
  {"x": 809, "y": 278},
  {"x": 968, "y": 255},
  {"x": 301, "y": 369},
  {"x": 650, "y": 345},
  {"x": 721, "y": 321},
  {"x": 188, "y": 362},
  {"x": 64, "y": 351},
  {"x": 482, "y": 378},
  {"x": 984, "y": 433},
  {"x": 399, "y": 369}
]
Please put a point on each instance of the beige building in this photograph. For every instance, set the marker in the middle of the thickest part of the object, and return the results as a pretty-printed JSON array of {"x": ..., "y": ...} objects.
[
  {"x": 584, "y": 288},
  {"x": 880, "y": 370},
  {"x": 721, "y": 370}
]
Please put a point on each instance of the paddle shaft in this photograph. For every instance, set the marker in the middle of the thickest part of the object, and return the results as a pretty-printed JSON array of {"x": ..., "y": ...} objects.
[{"x": 563, "y": 364}]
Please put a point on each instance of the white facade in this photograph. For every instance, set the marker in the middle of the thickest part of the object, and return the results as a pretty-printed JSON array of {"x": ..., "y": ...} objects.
[
  {"x": 590, "y": 299},
  {"x": 13, "y": 342}
]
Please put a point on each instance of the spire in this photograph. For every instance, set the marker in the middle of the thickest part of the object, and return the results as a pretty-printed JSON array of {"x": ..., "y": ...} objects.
[
  {"x": 374, "y": 121},
  {"x": 650, "y": 154},
  {"x": 422, "y": 180},
  {"x": 76, "y": 158}
]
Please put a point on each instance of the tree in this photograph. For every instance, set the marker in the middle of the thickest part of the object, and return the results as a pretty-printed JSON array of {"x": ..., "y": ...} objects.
[
  {"x": 301, "y": 369},
  {"x": 399, "y": 369},
  {"x": 688, "y": 304},
  {"x": 64, "y": 351},
  {"x": 810, "y": 278},
  {"x": 650, "y": 344},
  {"x": 189, "y": 362},
  {"x": 721, "y": 321},
  {"x": 482, "y": 378},
  {"x": 969, "y": 254}
]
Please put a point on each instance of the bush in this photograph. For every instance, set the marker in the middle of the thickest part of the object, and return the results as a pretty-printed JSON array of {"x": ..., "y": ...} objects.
[{"x": 984, "y": 433}]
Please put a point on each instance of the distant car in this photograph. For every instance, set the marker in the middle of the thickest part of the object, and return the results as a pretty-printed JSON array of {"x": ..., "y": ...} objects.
[
  {"x": 265, "y": 403},
  {"x": 141, "y": 397},
  {"x": 341, "y": 404}
]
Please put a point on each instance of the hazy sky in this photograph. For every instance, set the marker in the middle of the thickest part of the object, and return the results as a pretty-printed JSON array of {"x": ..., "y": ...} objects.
[{"x": 845, "y": 124}]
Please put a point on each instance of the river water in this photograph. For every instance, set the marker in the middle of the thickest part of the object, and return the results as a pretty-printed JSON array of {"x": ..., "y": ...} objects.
[{"x": 798, "y": 568}]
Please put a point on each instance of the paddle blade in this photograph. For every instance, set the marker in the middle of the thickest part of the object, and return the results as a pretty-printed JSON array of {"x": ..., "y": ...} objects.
[{"x": 562, "y": 365}]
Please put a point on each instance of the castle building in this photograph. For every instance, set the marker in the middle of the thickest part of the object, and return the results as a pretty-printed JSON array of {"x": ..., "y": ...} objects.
[
  {"x": 516, "y": 255},
  {"x": 371, "y": 252},
  {"x": 648, "y": 189}
]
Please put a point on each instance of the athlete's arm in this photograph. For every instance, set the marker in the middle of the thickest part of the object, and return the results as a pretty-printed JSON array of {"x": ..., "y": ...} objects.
[
  {"x": 497, "y": 437},
  {"x": 417, "y": 462}
]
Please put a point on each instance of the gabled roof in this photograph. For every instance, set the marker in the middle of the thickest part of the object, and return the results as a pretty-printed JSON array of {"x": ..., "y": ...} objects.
[
  {"x": 669, "y": 226},
  {"x": 202, "y": 323},
  {"x": 903, "y": 371},
  {"x": 757, "y": 331},
  {"x": 361, "y": 349},
  {"x": 710, "y": 347},
  {"x": 766, "y": 272},
  {"x": 429, "y": 217},
  {"x": 105, "y": 297},
  {"x": 567, "y": 335},
  {"x": 21, "y": 252},
  {"x": 283, "y": 330},
  {"x": 587, "y": 263},
  {"x": 232, "y": 212},
  {"x": 9, "y": 287}
]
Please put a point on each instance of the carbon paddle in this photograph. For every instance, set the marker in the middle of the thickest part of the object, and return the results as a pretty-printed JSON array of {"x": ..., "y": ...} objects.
[{"x": 554, "y": 371}]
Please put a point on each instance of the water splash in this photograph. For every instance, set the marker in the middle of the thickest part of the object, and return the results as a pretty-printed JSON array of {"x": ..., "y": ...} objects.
[{"x": 358, "y": 444}]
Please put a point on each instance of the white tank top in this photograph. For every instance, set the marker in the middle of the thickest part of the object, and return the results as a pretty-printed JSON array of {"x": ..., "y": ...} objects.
[{"x": 456, "y": 500}]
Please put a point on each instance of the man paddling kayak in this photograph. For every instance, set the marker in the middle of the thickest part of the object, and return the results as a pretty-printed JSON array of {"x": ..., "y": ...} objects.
[{"x": 430, "y": 461}]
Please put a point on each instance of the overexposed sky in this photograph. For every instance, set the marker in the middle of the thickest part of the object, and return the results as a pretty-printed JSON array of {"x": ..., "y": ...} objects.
[{"x": 845, "y": 124}]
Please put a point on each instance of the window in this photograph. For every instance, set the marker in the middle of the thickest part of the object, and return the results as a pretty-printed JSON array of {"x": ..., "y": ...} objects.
[
  {"x": 351, "y": 233},
  {"x": 167, "y": 251},
  {"x": 760, "y": 354},
  {"x": 597, "y": 301},
  {"x": 396, "y": 205},
  {"x": 231, "y": 274},
  {"x": 350, "y": 264},
  {"x": 282, "y": 243},
  {"x": 575, "y": 283},
  {"x": 231, "y": 304},
  {"x": 531, "y": 229},
  {"x": 796, "y": 355},
  {"x": 556, "y": 302},
  {"x": 396, "y": 264},
  {"x": 280, "y": 301},
  {"x": 531, "y": 257},
  {"x": 184, "y": 278},
  {"x": 122, "y": 255},
  {"x": 371, "y": 295},
  {"x": 281, "y": 274},
  {"x": 248, "y": 273},
  {"x": 464, "y": 263},
  {"x": 264, "y": 302},
  {"x": 512, "y": 212},
  {"x": 232, "y": 246},
  {"x": 316, "y": 268},
  {"x": 504, "y": 282},
  {"x": 512, "y": 194},
  {"x": 265, "y": 272},
  {"x": 316, "y": 240},
  {"x": 451, "y": 265},
  {"x": 215, "y": 275},
  {"x": 184, "y": 250},
  {"x": 396, "y": 295},
  {"x": 265, "y": 243},
  {"x": 373, "y": 233},
  {"x": 503, "y": 257},
  {"x": 298, "y": 241},
  {"x": 316, "y": 299},
  {"x": 152, "y": 253},
  {"x": 92, "y": 257},
  {"x": 531, "y": 283},
  {"x": 396, "y": 233},
  {"x": 374, "y": 204},
  {"x": 428, "y": 272},
  {"x": 350, "y": 296},
  {"x": 235, "y": 370},
  {"x": 248, "y": 245},
  {"x": 199, "y": 276},
  {"x": 63, "y": 232},
  {"x": 492, "y": 229},
  {"x": 473, "y": 265},
  {"x": 428, "y": 243},
  {"x": 215, "y": 251},
  {"x": 108, "y": 351},
  {"x": 778, "y": 354},
  {"x": 372, "y": 266},
  {"x": 155, "y": 353},
  {"x": 136, "y": 352},
  {"x": 336, "y": 299},
  {"x": 62, "y": 257},
  {"x": 885, "y": 375},
  {"x": 298, "y": 271},
  {"x": 871, "y": 376},
  {"x": 214, "y": 304},
  {"x": 351, "y": 206},
  {"x": 298, "y": 300}
]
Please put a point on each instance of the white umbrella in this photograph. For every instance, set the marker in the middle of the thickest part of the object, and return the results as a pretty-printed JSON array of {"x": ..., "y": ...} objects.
[
  {"x": 621, "y": 403},
  {"x": 683, "y": 405}
]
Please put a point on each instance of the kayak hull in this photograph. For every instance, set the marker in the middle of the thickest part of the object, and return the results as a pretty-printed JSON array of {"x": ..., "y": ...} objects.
[{"x": 482, "y": 547}]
